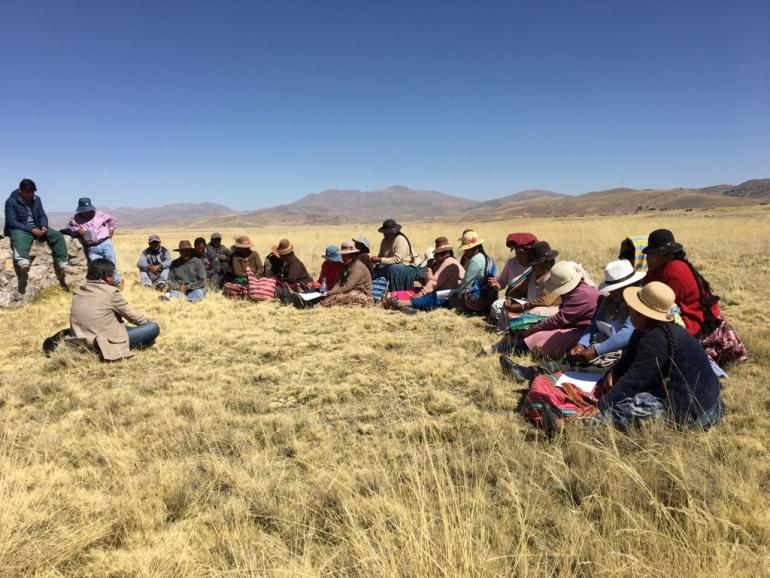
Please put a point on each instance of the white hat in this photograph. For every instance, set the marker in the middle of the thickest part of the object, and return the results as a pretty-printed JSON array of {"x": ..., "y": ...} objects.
[
  {"x": 620, "y": 273},
  {"x": 565, "y": 276}
]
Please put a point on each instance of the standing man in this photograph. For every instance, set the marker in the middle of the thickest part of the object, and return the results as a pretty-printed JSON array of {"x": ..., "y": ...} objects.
[
  {"x": 154, "y": 263},
  {"x": 25, "y": 222},
  {"x": 95, "y": 229}
]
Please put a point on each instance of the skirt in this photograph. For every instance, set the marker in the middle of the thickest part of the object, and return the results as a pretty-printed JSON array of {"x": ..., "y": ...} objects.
[
  {"x": 400, "y": 277},
  {"x": 724, "y": 345},
  {"x": 350, "y": 299},
  {"x": 554, "y": 342}
]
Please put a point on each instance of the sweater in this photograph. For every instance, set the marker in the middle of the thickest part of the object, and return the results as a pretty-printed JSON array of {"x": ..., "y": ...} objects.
[
  {"x": 693, "y": 388},
  {"x": 330, "y": 271},
  {"x": 355, "y": 277},
  {"x": 17, "y": 213},
  {"x": 396, "y": 250},
  {"x": 149, "y": 257},
  {"x": 447, "y": 276},
  {"x": 511, "y": 271},
  {"x": 474, "y": 270},
  {"x": 621, "y": 325},
  {"x": 239, "y": 264},
  {"x": 293, "y": 271},
  {"x": 576, "y": 310},
  {"x": 677, "y": 275},
  {"x": 191, "y": 273}
]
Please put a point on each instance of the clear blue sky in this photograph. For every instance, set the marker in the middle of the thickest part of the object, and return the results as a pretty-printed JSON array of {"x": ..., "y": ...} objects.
[{"x": 255, "y": 103}]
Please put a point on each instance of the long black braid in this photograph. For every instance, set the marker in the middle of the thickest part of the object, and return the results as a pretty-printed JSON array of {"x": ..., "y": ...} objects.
[
  {"x": 666, "y": 329},
  {"x": 707, "y": 297}
]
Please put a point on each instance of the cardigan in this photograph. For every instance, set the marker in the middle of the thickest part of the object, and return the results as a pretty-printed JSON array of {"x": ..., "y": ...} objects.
[
  {"x": 693, "y": 388},
  {"x": 355, "y": 278},
  {"x": 239, "y": 264},
  {"x": 447, "y": 276}
]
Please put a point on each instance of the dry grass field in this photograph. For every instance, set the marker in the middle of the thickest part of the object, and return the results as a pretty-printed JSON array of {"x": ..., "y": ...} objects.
[{"x": 258, "y": 440}]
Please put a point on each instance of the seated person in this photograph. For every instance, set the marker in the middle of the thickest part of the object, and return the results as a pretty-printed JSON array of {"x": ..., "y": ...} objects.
[
  {"x": 245, "y": 262},
  {"x": 292, "y": 272},
  {"x": 210, "y": 260},
  {"x": 223, "y": 253},
  {"x": 602, "y": 343},
  {"x": 632, "y": 250},
  {"x": 354, "y": 285},
  {"x": 365, "y": 247},
  {"x": 395, "y": 260},
  {"x": 153, "y": 264},
  {"x": 187, "y": 276},
  {"x": 554, "y": 336},
  {"x": 25, "y": 222},
  {"x": 515, "y": 277},
  {"x": 444, "y": 274},
  {"x": 475, "y": 294},
  {"x": 331, "y": 268},
  {"x": 97, "y": 313},
  {"x": 663, "y": 372},
  {"x": 667, "y": 262},
  {"x": 95, "y": 229}
]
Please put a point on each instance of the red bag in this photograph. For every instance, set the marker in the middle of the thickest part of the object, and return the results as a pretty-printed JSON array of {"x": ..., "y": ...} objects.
[
  {"x": 569, "y": 403},
  {"x": 262, "y": 288},
  {"x": 235, "y": 291}
]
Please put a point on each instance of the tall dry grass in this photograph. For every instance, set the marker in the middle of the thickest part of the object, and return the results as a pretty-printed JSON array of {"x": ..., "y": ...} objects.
[{"x": 260, "y": 440}]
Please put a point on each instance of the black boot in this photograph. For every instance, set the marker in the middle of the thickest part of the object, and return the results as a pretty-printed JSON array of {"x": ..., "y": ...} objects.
[{"x": 518, "y": 372}]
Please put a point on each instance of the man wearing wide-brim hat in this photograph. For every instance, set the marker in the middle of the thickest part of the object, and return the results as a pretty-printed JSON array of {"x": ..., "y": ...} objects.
[
  {"x": 187, "y": 275},
  {"x": 95, "y": 229},
  {"x": 395, "y": 260}
]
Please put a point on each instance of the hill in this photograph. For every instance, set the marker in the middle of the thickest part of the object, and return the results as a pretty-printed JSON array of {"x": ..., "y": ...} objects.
[{"x": 753, "y": 189}]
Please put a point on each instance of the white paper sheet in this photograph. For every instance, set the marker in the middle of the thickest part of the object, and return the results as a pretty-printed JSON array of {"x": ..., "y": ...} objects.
[
  {"x": 583, "y": 381},
  {"x": 309, "y": 296},
  {"x": 520, "y": 301},
  {"x": 605, "y": 328}
]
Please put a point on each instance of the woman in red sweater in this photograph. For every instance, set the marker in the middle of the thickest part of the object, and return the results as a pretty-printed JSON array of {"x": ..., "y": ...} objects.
[{"x": 667, "y": 263}]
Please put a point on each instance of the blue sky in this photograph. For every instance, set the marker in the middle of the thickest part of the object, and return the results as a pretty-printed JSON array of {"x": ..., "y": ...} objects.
[{"x": 256, "y": 103}]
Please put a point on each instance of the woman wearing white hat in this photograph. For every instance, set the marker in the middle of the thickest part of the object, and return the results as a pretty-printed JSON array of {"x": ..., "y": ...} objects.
[{"x": 663, "y": 371}]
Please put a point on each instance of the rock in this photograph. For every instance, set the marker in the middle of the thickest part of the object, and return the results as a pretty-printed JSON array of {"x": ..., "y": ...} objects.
[{"x": 17, "y": 289}]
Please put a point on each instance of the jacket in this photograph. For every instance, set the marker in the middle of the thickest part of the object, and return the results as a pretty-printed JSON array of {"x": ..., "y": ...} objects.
[
  {"x": 677, "y": 275},
  {"x": 330, "y": 271},
  {"x": 190, "y": 273},
  {"x": 576, "y": 310},
  {"x": 239, "y": 264},
  {"x": 693, "y": 389},
  {"x": 149, "y": 257},
  {"x": 16, "y": 213},
  {"x": 210, "y": 260},
  {"x": 355, "y": 277},
  {"x": 96, "y": 315},
  {"x": 294, "y": 271},
  {"x": 617, "y": 317}
]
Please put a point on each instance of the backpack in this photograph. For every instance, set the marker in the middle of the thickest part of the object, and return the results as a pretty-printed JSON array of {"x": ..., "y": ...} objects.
[{"x": 567, "y": 403}]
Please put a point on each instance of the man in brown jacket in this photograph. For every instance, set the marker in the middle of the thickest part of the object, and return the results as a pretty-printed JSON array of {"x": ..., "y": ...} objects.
[{"x": 98, "y": 309}]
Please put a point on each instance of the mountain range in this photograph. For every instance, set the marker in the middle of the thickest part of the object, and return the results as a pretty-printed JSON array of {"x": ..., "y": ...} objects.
[{"x": 339, "y": 206}]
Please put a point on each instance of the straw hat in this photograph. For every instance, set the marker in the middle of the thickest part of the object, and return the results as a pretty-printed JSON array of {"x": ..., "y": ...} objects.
[
  {"x": 620, "y": 273},
  {"x": 184, "y": 246},
  {"x": 283, "y": 248},
  {"x": 242, "y": 242},
  {"x": 348, "y": 248},
  {"x": 442, "y": 245},
  {"x": 470, "y": 240},
  {"x": 655, "y": 300},
  {"x": 565, "y": 276}
]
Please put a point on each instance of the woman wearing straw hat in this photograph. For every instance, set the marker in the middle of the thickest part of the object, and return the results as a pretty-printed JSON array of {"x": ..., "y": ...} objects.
[
  {"x": 354, "y": 285},
  {"x": 663, "y": 371},
  {"x": 475, "y": 292}
]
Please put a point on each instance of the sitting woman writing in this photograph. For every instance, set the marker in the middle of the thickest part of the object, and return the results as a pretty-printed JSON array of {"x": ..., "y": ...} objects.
[
  {"x": 354, "y": 285},
  {"x": 663, "y": 371}
]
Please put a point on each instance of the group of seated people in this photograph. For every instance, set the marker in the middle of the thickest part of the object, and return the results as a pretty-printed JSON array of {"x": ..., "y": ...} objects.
[{"x": 652, "y": 330}]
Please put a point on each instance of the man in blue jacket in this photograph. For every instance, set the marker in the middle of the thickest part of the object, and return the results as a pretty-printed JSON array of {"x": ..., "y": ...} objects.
[{"x": 26, "y": 221}]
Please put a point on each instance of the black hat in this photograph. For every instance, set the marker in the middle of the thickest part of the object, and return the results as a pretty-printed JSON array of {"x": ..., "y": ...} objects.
[
  {"x": 660, "y": 242},
  {"x": 389, "y": 226},
  {"x": 541, "y": 252}
]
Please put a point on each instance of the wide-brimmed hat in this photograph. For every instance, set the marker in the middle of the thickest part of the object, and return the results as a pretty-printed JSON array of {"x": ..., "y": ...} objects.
[
  {"x": 520, "y": 240},
  {"x": 389, "y": 226},
  {"x": 661, "y": 241},
  {"x": 85, "y": 206},
  {"x": 216, "y": 236},
  {"x": 283, "y": 248},
  {"x": 442, "y": 245},
  {"x": 655, "y": 300},
  {"x": 565, "y": 276},
  {"x": 619, "y": 274},
  {"x": 153, "y": 238},
  {"x": 541, "y": 252},
  {"x": 332, "y": 254},
  {"x": 184, "y": 246},
  {"x": 364, "y": 242},
  {"x": 470, "y": 240},
  {"x": 348, "y": 248},
  {"x": 242, "y": 242}
]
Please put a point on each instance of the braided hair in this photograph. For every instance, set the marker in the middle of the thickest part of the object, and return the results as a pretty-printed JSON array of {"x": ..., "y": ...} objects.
[
  {"x": 707, "y": 297},
  {"x": 666, "y": 329}
]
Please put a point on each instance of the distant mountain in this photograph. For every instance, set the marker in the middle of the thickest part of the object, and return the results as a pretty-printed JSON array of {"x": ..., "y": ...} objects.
[
  {"x": 522, "y": 196},
  {"x": 753, "y": 189},
  {"x": 343, "y": 206},
  {"x": 140, "y": 218}
]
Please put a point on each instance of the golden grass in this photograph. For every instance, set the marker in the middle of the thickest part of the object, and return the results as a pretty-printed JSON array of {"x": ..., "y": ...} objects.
[{"x": 261, "y": 440}]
